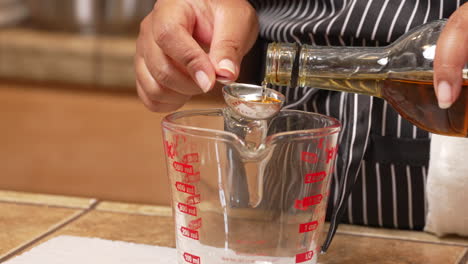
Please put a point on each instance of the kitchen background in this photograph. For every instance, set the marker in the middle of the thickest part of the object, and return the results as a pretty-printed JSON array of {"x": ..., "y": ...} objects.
[{"x": 71, "y": 122}]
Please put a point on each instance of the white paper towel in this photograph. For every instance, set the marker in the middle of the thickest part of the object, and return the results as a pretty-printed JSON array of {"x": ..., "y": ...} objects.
[{"x": 81, "y": 250}]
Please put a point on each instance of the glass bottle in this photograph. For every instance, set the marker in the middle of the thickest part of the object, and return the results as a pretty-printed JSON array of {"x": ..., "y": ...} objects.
[{"x": 401, "y": 73}]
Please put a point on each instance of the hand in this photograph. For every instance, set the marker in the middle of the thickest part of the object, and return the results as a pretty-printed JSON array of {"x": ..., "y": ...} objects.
[
  {"x": 450, "y": 57},
  {"x": 171, "y": 61}
]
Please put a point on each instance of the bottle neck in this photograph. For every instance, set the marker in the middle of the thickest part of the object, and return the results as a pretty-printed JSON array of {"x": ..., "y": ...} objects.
[
  {"x": 348, "y": 69},
  {"x": 280, "y": 63}
]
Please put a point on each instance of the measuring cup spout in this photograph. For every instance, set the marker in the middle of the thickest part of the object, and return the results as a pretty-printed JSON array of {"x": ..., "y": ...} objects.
[{"x": 251, "y": 134}]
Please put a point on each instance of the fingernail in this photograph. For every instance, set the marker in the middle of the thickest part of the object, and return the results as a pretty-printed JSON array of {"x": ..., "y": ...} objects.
[
  {"x": 227, "y": 65},
  {"x": 224, "y": 81},
  {"x": 203, "y": 81},
  {"x": 444, "y": 95}
]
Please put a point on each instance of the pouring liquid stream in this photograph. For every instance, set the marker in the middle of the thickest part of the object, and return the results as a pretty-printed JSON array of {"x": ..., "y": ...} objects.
[{"x": 264, "y": 86}]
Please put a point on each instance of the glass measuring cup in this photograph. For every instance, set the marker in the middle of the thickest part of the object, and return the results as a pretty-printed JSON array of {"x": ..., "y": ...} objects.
[{"x": 249, "y": 192}]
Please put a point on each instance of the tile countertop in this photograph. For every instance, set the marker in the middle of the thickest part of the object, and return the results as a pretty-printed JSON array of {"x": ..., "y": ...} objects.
[{"x": 27, "y": 220}]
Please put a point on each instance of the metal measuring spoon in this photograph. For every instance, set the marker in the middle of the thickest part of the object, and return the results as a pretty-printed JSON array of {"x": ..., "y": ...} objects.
[{"x": 253, "y": 101}]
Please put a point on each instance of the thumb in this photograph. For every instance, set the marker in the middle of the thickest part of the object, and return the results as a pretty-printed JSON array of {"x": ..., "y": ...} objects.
[
  {"x": 450, "y": 58},
  {"x": 235, "y": 31}
]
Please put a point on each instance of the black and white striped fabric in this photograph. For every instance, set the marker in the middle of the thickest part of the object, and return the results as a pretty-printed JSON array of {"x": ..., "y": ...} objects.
[{"x": 382, "y": 158}]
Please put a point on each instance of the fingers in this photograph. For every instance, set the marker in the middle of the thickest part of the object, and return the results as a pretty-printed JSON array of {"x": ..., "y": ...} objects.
[
  {"x": 161, "y": 85},
  {"x": 451, "y": 57},
  {"x": 153, "y": 97},
  {"x": 171, "y": 64},
  {"x": 232, "y": 40},
  {"x": 174, "y": 36},
  {"x": 154, "y": 90},
  {"x": 155, "y": 106},
  {"x": 168, "y": 74}
]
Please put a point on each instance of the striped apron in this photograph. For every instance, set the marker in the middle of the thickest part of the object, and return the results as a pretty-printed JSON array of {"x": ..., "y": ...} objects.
[{"x": 381, "y": 167}]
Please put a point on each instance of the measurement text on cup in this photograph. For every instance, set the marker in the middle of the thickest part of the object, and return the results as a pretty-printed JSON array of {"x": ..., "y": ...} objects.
[
  {"x": 187, "y": 209},
  {"x": 192, "y": 258},
  {"x": 303, "y": 257}
]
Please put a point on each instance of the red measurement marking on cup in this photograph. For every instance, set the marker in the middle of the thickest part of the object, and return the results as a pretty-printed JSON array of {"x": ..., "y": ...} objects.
[
  {"x": 308, "y": 227},
  {"x": 309, "y": 157},
  {"x": 190, "y": 158},
  {"x": 186, "y": 232},
  {"x": 303, "y": 257},
  {"x": 182, "y": 167},
  {"x": 319, "y": 142},
  {"x": 315, "y": 177},
  {"x": 191, "y": 178},
  {"x": 195, "y": 224},
  {"x": 187, "y": 209},
  {"x": 191, "y": 258},
  {"x": 194, "y": 199},
  {"x": 170, "y": 149},
  {"x": 186, "y": 188},
  {"x": 305, "y": 203},
  {"x": 331, "y": 153}
]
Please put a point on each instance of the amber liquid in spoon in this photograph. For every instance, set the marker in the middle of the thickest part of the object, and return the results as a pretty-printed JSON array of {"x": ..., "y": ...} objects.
[{"x": 266, "y": 100}]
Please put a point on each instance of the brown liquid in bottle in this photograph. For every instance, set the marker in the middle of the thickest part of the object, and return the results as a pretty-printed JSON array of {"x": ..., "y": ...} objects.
[
  {"x": 416, "y": 101},
  {"x": 410, "y": 93}
]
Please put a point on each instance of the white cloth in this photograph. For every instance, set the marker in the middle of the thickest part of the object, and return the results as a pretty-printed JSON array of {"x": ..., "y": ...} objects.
[
  {"x": 80, "y": 250},
  {"x": 447, "y": 186}
]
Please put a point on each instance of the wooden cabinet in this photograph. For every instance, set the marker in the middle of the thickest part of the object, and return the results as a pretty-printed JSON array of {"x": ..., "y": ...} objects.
[{"x": 62, "y": 140}]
